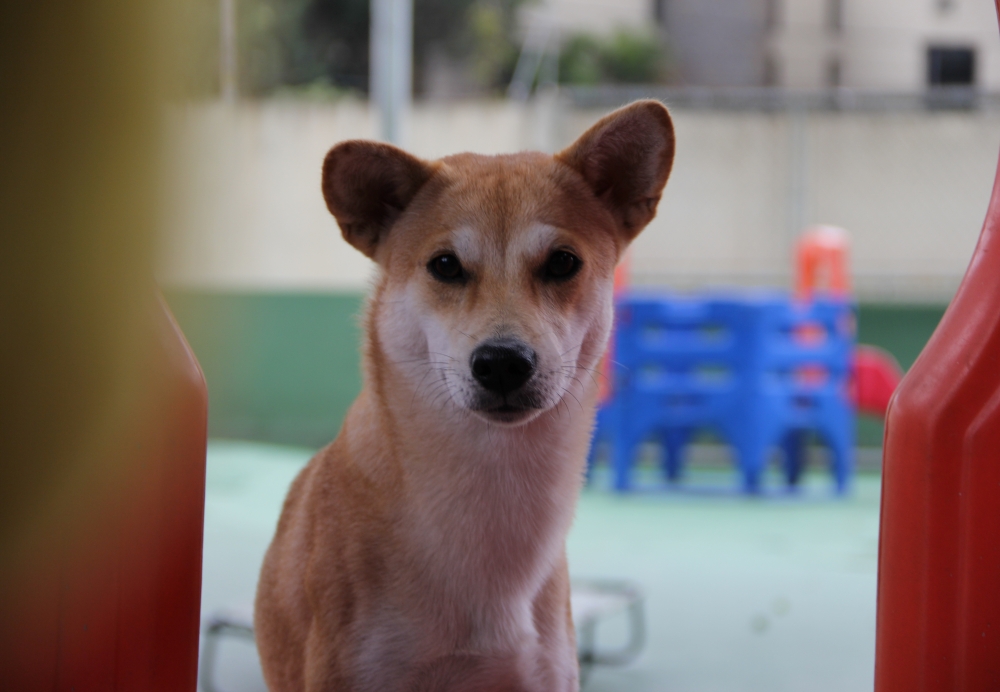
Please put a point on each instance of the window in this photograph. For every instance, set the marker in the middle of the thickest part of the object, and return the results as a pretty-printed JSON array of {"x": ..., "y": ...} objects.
[{"x": 950, "y": 66}]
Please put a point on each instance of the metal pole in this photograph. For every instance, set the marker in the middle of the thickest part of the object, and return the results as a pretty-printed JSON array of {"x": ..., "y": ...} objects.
[
  {"x": 227, "y": 50},
  {"x": 798, "y": 165},
  {"x": 392, "y": 66}
]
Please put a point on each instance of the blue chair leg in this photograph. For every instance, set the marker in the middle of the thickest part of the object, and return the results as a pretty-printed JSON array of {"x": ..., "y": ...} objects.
[
  {"x": 621, "y": 460},
  {"x": 793, "y": 444},
  {"x": 839, "y": 437},
  {"x": 674, "y": 442},
  {"x": 752, "y": 453},
  {"x": 842, "y": 460},
  {"x": 602, "y": 433}
]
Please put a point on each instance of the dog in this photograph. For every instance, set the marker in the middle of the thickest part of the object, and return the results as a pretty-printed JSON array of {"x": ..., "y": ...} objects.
[{"x": 424, "y": 549}]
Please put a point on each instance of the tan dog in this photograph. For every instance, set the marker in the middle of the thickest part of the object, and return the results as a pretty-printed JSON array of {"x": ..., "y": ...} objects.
[{"x": 424, "y": 549}]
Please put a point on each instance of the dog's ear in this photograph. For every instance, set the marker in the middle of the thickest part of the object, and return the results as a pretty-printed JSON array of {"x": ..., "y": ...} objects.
[
  {"x": 367, "y": 185},
  {"x": 626, "y": 159}
]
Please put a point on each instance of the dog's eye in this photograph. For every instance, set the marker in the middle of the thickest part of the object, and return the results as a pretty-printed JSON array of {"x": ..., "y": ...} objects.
[
  {"x": 562, "y": 265},
  {"x": 446, "y": 268}
]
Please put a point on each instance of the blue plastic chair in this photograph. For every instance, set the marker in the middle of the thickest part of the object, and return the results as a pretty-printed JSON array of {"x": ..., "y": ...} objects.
[
  {"x": 757, "y": 369},
  {"x": 678, "y": 365},
  {"x": 802, "y": 386}
]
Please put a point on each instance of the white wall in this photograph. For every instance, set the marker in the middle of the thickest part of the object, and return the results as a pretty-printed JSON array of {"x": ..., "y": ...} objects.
[
  {"x": 244, "y": 208},
  {"x": 590, "y": 16},
  {"x": 912, "y": 188}
]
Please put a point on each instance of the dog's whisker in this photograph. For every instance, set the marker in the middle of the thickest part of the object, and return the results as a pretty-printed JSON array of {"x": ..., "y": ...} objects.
[
  {"x": 594, "y": 374},
  {"x": 578, "y": 346},
  {"x": 569, "y": 370},
  {"x": 417, "y": 388},
  {"x": 566, "y": 390}
]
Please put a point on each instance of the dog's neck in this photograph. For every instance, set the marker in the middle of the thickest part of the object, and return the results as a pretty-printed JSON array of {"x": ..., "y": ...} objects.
[{"x": 481, "y": 498}]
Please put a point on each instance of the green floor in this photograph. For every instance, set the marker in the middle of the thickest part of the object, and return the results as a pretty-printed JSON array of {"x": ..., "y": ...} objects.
[{"x": 767, "y": 594}]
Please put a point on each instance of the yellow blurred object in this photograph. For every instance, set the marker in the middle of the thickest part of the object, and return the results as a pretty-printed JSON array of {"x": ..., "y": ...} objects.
[{"x": 90, "y": 363}]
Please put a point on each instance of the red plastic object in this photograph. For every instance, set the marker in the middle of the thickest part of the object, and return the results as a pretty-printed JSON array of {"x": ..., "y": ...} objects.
[
  {"x": 876, "y": 376},
  {"x": 821, "y": 262},
  {"x": 604, "y": 386},
  {"x": 939, "y": 555},
  {"x": 110, "y": 597}
]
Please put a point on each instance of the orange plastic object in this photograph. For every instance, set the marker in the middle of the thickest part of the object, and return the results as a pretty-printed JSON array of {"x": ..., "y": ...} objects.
[
  {"x": 604, "y": 387},
  {"x": 876, "y": 374},
  {"x": 821, "y": 255},
  {"x": 939, "y": 555},
  {"x": 111, "y": 599}
]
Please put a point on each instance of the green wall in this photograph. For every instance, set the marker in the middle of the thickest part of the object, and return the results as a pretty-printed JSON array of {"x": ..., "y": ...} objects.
[
  {"x": 284, "y": 367},
  {"x": 902, "y": 330},
  {"x": 280, "y": 367}
]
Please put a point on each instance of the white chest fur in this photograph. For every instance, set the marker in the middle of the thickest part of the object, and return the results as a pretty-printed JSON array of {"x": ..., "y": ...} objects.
[{"x": 485, "y": 531}]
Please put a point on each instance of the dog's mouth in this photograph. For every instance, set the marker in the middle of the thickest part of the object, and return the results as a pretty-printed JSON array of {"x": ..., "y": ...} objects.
[{"x": 510, "y": 413}]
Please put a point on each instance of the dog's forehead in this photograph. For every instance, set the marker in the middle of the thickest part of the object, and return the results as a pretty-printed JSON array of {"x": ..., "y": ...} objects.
[
  {"x": 509, "y": 187},
  {"x": 477, "y": 244},
  {"x": 509, "y": 202}
]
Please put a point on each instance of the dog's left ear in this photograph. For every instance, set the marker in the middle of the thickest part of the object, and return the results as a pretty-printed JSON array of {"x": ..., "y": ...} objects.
[{"x": 626, "y": 159}]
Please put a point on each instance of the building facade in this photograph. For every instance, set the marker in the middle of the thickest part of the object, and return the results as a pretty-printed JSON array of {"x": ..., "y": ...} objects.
[
  {"x": 874, "y": 45},
  {"x": 883, "y": 45}
]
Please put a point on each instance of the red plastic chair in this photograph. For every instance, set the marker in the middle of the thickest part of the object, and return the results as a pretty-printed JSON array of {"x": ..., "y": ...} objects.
[{"x": 821, "y": 262}]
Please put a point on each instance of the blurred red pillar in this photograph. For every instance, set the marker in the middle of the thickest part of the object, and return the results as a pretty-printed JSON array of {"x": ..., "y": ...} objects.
[
  {"x": 109, "y": 597},
  {"x": 939, "y": 554}
]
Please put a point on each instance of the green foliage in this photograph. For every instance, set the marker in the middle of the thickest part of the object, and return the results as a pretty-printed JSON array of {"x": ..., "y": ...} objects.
[
  {"x": 334, "y": 33},
  {"x": 272, "y": 50},
  {"x": 581, "y": 60},
  {"x": 488, "y": 43},
  {"x": 319, "y": 49},
  {"x": 626, "y": 57}
]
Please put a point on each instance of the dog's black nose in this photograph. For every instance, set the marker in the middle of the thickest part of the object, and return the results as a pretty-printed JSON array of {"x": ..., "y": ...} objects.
[{"x": 502, "y": 366}]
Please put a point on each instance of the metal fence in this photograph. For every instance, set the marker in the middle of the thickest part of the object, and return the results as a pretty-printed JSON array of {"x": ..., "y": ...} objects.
[{"x": 777, "y": 99}]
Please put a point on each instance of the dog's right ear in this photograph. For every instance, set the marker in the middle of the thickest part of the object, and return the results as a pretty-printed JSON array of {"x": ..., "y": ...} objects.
[{"x": 367, "y": 185}]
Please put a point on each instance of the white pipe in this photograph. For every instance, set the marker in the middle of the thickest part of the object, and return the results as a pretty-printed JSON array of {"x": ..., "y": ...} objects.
[{"x": 391, "y": 73}]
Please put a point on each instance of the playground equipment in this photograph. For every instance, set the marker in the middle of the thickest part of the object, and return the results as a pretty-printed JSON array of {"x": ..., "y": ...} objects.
[
  {"x": 760, "y": 370},
  {"x": 112, "y": 601},
  {"x": 821, "y": 262},
  {"x": 823, "y": 379},
  {"x": 738, "y": 365},
  {"x": 938, "y": 623}
]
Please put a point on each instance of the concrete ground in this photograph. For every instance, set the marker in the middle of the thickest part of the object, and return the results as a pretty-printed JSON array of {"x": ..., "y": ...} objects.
[{"x": 743, "y": 594}]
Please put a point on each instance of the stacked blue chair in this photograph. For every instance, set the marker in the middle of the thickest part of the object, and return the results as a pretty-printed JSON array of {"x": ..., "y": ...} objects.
[
  {"x": 759, "y": 370},
  {"x": 676, "y": 371},
  {"x": 800, "y": 384}
]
